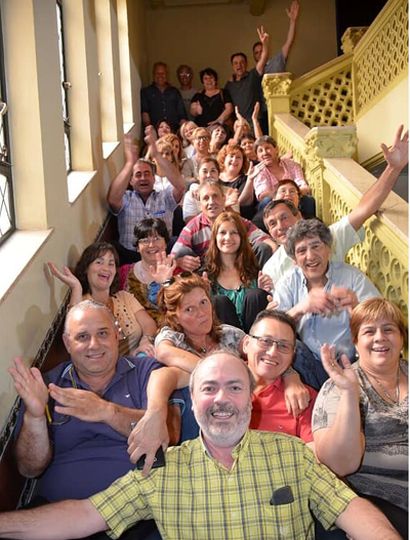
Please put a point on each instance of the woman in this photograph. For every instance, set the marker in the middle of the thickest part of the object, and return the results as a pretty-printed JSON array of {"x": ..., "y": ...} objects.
[
  {"x": 239, "y": 290},
  {"x": 208, "y": 168},
  {"x": 163, "y": 128},
  {"x": 95, "y": 276},
  {"x": 212, "y": 104},
  {"x": 143, "y": 278},
  {"x": 233, "y": 164},
  {"x": 184, "y": 165},
  {"x": 186, "y": 130},
  {"x": 272, "y": 169},
  {"x": 360, "y": 416},
  {"x": 219, "y": 135},
  {"x": 191, "y": 330}
]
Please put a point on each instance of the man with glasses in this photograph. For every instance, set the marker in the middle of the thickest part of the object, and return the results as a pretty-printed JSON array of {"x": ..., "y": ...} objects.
[
  {"x": 142, "y": 201},
  {"x": 72, "y": 432}
]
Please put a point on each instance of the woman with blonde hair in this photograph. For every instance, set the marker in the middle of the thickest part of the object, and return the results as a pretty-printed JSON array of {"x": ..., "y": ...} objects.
[
  {"x": 360, "y": 419},
  {"x": 239, "y": 290}
]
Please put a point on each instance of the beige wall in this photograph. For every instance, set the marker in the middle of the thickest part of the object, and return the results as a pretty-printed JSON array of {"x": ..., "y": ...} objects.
[{"x": 207, "y": 35}]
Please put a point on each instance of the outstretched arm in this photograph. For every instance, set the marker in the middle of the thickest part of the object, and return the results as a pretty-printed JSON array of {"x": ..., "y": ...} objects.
[
  {"x": 169, "y": 169},
  {"x": 66, "y": 276},
  {"x": 363, "y": 521},
  {"x": 33, "y": 448},
  {"x": 292, "y": 13},
  {"x": 397, "y": 157},
  {"x": 264, "y": 39},
  {"x": 121, "y": 181},
  {"x": 340, "y": 446},
  {"x": 58, "y": 521}
]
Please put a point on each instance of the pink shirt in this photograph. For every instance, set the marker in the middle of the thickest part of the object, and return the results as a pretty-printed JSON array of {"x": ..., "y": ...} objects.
[{"x": 266, "y": 181}]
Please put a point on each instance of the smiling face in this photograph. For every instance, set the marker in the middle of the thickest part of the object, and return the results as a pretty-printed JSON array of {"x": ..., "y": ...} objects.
[
  {"x": 160, "y": 75},
  {"x": 257, "y": 52},
  {"x": 278, "y": 221},
  {"x": 233, "y": 163},
  {"x": 163, "y": 129},
  {"x": 142, "y": 179},
  {"x": 189, "y": 128},
  {"x": 150, "y": 247},
  {"x": 201, "y": 142},
  {"x": 221, "y": 399},
  {"x": 288, "y": 192},
  {"x": 312, "y": 256},
  {"x": 267, "y": 153},
  {"x": 194, "y": 313},
  {"x": 101, "y": 272},
  {"x": 268, "y": 363},
  {"x": 91, "y": 339},
  {"x": 218, "y": 135},
  {"x": 209, "y": 82},
  {"x": 208, "y": 171},
  {"x": 379, "y": 344},
  {"x": 212, "y": 201},
  {"x": 247, "y": 147},
  {"x": 239, "y": 66},
  {"x": 228, "y": 239}
]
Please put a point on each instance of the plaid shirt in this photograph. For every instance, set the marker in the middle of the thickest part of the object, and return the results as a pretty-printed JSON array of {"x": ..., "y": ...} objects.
[
  {"x": 267, "y": 181},
  {"x": 196, "y": 235},
  {"x": 194, "y": 497},
  {"x": 160, "y": 204}
]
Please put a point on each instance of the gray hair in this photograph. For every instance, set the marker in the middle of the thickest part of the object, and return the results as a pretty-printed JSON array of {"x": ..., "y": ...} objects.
[
  {"x": 83, "y": 306},
  {"x": 307, "y": 228},
  {"x": 216, "y": 352}
]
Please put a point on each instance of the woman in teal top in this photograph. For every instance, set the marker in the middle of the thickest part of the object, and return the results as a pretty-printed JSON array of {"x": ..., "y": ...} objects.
[{"x": 239, "y": 290}]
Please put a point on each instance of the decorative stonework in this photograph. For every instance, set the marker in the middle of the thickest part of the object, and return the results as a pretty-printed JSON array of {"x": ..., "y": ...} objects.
[
  {"x": 276, "y": 84},
  {"x": 324, "y": 142},
  {"x": 351, "y": 37}
]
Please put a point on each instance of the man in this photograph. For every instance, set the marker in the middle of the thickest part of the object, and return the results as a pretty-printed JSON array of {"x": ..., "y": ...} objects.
[
  {"x": 244, "y": 87},
  {"x": 280, "y": 216},
  {"x": 231, "y": 481},
  {"x": 191, "y": 245},
  {"x": 185, "y": 76},
  {"x": 76, "y": 438},
  {"x": 161, "y": 101},
  {"x": 319, "y": 293},
  {"x": 276, "y": 64},
  {"x": 131, "y": 206}
]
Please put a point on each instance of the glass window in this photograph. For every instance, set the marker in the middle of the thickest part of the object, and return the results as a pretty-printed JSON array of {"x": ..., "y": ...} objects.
[{"x": 65, "y": 85}]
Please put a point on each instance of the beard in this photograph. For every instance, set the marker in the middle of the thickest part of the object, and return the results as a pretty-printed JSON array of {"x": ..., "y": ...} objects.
[{"x": 224, "y": 433}]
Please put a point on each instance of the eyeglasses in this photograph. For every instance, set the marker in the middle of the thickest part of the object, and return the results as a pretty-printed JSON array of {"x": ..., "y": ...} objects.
[
  {"x": 202, "y": 138},
  {"x": 54, "y": 418},
  {"x": 149, "y": 240},
  {"x": 265, "y": 343}
]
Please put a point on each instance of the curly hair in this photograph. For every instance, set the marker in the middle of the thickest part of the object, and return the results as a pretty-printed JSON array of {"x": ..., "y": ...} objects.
[
  {"x": 232, "y": 148},
  {"x": 88, "y": 256},
  {"x": 170, "y": 296},
  {"x": 170, "y": 138},
  {"x": 245, "y": 261}
]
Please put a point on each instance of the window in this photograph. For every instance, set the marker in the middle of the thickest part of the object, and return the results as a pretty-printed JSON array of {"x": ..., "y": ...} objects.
[
  {"x": 65, "y": 85},
  {"x": 7, "y": 219}
]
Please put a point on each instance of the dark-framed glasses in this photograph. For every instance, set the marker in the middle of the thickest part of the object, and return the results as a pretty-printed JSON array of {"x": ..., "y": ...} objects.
[{"x": 265, "y": 343}]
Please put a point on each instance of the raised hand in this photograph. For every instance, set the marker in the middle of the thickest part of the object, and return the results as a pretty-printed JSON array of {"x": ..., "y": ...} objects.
[
  {"x": 263, "y": 36},
  {"x": 196, "y": 108},
  {"x": 30, "y": 387},
  {"x": 344, "y": 376},
  {"x": 397, "y": 155},
  {"x": 344, "y": 298},
  {"x": 164, "y": 267},
  {"x": 255, "y": 112},
  {"x": 150, "y": 136},
  {"x": 131, "y": 150},
  {"x": 65, "y": 275},
  {"x": 293, "y": 11}
]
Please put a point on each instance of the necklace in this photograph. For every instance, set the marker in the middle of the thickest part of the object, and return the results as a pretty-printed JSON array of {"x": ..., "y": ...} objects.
[{"x": 383, "y": 390}]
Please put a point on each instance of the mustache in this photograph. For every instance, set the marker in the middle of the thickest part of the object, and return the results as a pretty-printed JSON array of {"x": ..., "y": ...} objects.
[{"x": 222, "y": 408}]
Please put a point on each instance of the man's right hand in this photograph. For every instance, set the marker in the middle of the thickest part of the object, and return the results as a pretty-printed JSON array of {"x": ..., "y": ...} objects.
[
  {"x": 30, "y": 387},
  {"x": 320, "y": 302},
  {"x": 130, "y": 149},
  {"x": 149, "y": 434},
  {"x": 188, "y": 263}
]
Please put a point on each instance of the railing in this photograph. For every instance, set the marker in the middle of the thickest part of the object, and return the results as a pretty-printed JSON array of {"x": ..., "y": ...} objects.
[{"x": 314, "y": 117}]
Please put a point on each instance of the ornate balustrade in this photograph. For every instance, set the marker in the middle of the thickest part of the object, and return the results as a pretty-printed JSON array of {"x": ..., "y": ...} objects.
[{"x": 326, "y": 154}]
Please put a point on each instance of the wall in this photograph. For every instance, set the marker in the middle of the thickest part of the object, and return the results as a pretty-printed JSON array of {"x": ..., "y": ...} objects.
[{"x": 208, "y": 35}]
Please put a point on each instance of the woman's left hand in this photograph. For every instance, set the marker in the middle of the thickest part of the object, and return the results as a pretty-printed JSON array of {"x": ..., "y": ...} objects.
[
  {"x": 343, "y": 376},
  {"x": 265, "y": 282}
]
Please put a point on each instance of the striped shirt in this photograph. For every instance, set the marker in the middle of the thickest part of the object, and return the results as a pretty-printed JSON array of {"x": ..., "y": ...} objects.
[
  {"x": 195, "y": 236},
  {"x": 269, "y": 493}
]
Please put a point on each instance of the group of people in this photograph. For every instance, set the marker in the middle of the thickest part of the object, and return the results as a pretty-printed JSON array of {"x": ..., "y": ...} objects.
[{"x": 238, "y": 342}]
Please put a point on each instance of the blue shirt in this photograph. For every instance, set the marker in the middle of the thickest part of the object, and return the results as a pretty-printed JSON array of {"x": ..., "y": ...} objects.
[
  {"x": 89, "y": 456},
  {"x": 314, "y": 329}
]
